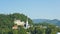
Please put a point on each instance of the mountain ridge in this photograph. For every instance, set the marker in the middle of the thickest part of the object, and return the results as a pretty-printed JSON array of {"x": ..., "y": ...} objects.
[{"x": 54, "y": 21}]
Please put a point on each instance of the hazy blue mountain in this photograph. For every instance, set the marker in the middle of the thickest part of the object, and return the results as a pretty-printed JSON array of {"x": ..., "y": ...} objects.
[
  {"x": 40, "y": 20},
  {"x": 54, "y": 21}
]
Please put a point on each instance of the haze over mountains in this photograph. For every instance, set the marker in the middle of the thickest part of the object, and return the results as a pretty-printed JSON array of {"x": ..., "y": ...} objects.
[{"x": 54, "y": 21}]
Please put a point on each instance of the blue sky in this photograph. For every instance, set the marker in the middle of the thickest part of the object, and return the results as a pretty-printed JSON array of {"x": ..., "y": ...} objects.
[{"x": 42, "y": 9}]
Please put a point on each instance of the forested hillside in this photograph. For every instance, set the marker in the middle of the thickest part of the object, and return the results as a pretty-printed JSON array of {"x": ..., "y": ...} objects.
[{"x": 7, "y": 21}]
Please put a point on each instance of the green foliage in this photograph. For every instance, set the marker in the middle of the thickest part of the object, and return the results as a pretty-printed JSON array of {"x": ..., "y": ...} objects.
[
  {"x": 7, "y": 22},
  {"x": 22, "y": 31},
  {"x": 51, "y": 28}
]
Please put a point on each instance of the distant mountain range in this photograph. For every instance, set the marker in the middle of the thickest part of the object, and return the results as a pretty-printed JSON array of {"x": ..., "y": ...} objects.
[{"x": 54, "y": 21}]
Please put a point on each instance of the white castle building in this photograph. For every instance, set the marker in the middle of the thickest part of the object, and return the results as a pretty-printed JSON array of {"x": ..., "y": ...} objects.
[
  {"x": 22, "y": 23},
  {"x": 18, "y": 22}
]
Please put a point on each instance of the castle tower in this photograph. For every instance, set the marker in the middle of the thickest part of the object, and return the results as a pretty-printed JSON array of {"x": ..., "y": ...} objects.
[{"x": 27, "y": 24}]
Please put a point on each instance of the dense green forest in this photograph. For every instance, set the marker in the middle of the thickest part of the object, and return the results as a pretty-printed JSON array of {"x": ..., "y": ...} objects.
[{"x": 7, "y": 22}]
